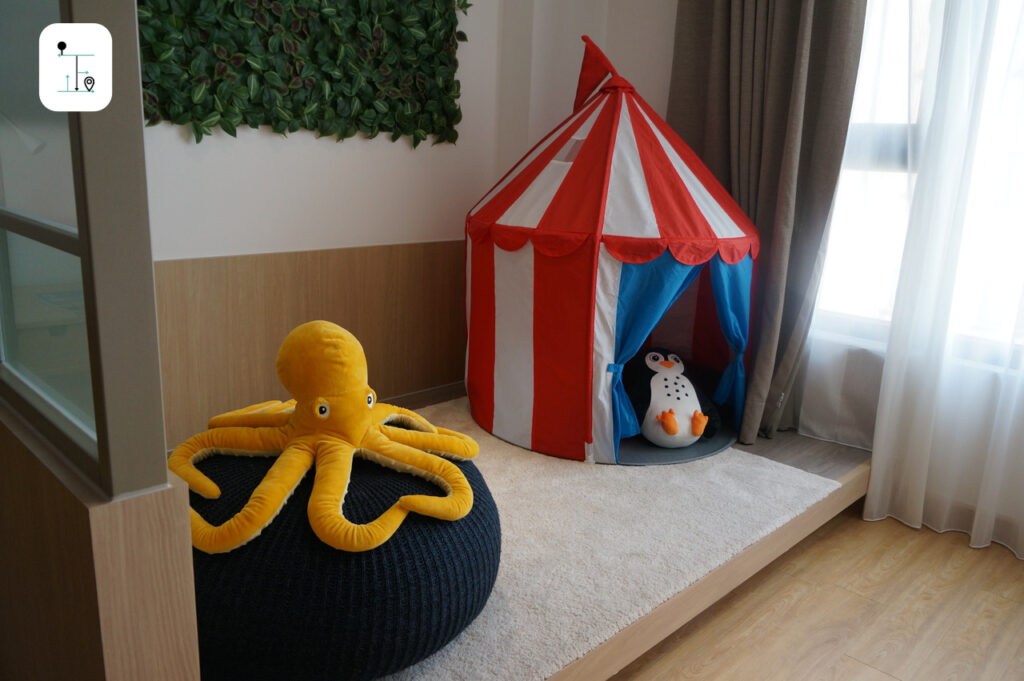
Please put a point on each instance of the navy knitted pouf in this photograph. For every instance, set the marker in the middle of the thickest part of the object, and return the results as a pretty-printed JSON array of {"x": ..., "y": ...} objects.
[{"x": 288, "y": 606}]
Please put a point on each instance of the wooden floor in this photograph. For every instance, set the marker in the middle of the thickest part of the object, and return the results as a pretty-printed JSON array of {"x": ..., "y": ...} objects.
[
  {"x": 859, "y": 601},
  {"x": 827, "y": 459}
]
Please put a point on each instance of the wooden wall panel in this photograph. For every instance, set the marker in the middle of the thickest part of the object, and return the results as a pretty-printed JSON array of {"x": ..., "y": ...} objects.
[
  {"x": 48, "y": 603},
  {"x": 222, "y": 320}
]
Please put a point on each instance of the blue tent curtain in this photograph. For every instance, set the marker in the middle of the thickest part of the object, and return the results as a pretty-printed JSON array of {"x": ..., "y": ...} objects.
[
  {"x": 731, "y": 287},
  {"x": 646, "y": 292}
]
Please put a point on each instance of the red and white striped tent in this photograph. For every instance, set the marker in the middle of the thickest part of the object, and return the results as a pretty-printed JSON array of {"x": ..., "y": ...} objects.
[{"x": 574, "y": 256}]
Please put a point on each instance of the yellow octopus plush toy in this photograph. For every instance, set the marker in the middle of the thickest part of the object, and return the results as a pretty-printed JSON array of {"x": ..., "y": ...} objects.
[{"x": 333, "y": 417}]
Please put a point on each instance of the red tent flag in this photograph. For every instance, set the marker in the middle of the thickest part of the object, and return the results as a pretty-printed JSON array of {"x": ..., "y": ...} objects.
[{"x": 595, "y": 68}]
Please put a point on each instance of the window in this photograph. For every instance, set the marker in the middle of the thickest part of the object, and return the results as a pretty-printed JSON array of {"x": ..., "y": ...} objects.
[
  {"x": 872, "y": 203},
  {"x": 934, "y": 160},
  {"x": 903, "y": 46}
]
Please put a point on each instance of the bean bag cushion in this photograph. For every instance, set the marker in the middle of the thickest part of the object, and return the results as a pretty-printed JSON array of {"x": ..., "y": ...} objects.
[{"x": 288, "y": 606}]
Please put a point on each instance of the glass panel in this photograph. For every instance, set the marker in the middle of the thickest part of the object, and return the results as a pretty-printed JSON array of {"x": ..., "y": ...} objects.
[
  {"x": 35, "y": 149},
  {"x": 44, "y": 339}
]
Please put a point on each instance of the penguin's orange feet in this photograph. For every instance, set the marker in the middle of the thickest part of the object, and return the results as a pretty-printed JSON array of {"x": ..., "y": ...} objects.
[
  {"x": 698, "y": 423},
  {"x": 667, "y": 419}
]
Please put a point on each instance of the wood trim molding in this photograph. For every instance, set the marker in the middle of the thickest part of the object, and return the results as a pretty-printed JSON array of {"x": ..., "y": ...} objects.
[
  {"x": 142, "y": 553},
  {"x": 639, "y": 637},
  {"x": 425, "y": 398}
]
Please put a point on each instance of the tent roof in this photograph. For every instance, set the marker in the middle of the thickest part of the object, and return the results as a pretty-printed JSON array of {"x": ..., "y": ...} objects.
[{"x": 614, "y": 169}]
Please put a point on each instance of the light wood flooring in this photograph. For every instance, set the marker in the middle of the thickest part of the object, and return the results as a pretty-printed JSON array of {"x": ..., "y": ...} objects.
[
  {"x": 827, "y": 459},
  {"x": 859, "y": 601}
]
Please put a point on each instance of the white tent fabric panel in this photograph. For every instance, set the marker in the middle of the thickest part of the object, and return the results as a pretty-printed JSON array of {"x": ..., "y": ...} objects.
[
  {"x": 513, "y": 345},
  {"x": 602, "y": 449},
  {"x": 628, "y": 211},
  {"x": 529, "y": 208}
]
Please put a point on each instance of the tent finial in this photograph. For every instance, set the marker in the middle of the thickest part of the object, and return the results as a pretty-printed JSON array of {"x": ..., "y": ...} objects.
[{"x": 596, "y": 66}]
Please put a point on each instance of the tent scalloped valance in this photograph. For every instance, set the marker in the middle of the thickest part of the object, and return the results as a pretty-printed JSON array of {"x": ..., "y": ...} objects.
[{"x": 627, "y": 249}]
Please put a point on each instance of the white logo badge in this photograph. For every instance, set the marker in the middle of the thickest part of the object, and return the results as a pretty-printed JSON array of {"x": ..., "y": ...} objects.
[{"x": 75, "y": 71}]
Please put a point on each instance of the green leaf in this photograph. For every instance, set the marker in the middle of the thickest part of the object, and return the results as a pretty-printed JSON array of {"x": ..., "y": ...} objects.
[
  {"x": 198, "y": 91},
  {"x": 150, "y": 72},
  {"x": 282, "y": 114},
  {"x": 273, "y": 79},
  {"x": 211, "y": 120},
  {"x": 163, "y": 51}
]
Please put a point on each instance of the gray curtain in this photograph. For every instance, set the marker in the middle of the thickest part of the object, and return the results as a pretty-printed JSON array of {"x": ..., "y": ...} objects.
[{"x": 762, "y": 90}]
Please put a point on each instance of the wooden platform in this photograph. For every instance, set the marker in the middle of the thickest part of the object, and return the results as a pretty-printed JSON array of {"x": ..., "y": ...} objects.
[{"x": 848, "y": 465}]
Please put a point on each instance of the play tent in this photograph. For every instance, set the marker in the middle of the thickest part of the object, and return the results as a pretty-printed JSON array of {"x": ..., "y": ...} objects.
[{"x": 576, "y": 254}]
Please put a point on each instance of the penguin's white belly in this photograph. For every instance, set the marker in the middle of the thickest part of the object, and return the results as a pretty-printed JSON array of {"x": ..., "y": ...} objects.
[{"x": 675, "y": 393}]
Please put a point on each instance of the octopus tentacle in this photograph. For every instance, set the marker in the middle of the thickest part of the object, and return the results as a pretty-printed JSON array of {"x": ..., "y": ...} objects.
[
  {"x": 446, "y": 475},
  {"x": 333, "y": 472},
  {"x": 444, "y": 442},
  {"x": 389, "y": 414},
  {"x": 242, "y": 441},
  {"x": 263, "y": 505},
  {"x": 265, "y": 414}
]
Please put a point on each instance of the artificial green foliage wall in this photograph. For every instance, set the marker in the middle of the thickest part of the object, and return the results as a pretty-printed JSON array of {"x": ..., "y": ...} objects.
[{"x": 337, "y": 67}]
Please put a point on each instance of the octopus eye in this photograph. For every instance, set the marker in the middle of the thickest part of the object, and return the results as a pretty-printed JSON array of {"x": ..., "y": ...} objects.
[
  {"x": 369, "y": 400},
  {"x": 323, "y": 411}
]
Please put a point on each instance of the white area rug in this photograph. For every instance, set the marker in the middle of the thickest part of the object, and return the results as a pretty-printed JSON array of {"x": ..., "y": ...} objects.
[{"x": 588, "y": 549}]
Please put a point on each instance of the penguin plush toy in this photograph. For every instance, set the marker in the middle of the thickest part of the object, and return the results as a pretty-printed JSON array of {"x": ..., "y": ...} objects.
[{"x": 670, "y": 410}]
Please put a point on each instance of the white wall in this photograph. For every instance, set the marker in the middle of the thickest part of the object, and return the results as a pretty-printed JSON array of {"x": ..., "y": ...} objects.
[
  {"x": 266, "y": 193},
  {"x": 541, "y": 62}
]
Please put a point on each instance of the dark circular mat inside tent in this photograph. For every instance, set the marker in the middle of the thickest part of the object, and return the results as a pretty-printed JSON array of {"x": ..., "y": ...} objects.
[
  {"x": 288, "y": 606},
  {"x": 638, "y": 451}
]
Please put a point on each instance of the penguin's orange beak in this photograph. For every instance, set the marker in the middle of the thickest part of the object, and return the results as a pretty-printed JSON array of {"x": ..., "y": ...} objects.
[{"x": 667, "y": 364}]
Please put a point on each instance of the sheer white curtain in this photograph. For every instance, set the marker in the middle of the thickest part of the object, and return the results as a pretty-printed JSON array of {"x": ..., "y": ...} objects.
[{"x": 948, "y": 432}]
